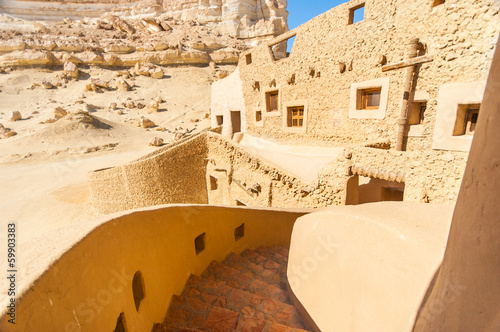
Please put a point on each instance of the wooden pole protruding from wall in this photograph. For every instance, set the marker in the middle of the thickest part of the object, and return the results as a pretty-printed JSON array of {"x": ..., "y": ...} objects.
[{"x": 403, "y": 115}]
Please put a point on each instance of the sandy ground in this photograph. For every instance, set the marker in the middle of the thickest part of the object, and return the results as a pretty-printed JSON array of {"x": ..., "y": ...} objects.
[{"x": 43, "y": 169}]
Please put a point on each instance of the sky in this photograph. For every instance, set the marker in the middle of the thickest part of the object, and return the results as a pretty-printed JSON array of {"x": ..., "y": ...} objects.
[{"x": 301, "y": 11}]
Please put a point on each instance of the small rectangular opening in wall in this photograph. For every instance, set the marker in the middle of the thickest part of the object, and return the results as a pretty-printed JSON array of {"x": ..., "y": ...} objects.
[
  {"x": 377, "y": 190},
  {"x": 437, "y": 3},
  {"x": 417, "y": 110},
  {"x": 272, "y": 101},
  {"x": 368, "y": 99},
  {"x": 239, "y": 232},
  {"x": 465, "y": 123},
  {"x": 295, "y": 116},
  {"x": 240, "y": 203},
  {"x": 258, "y": 116},
  {"x": 283, "y": 48},
  {"x": 249, "y": 58},
  {"x": 357, "y": 14},
  {"x": 213, "y": 183},
  {"x": 392, "y": 194},
  {"x": 220, "y": 119},
  {"x": 199, "y": 243}
]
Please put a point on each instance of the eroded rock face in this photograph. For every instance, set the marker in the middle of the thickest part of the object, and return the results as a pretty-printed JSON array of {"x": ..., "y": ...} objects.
[
  {"x": 239, "y": 18},
  {"x": 177, "y": 32}
]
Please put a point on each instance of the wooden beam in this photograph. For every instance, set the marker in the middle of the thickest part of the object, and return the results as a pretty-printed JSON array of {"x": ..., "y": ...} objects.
[{"x": 408, "y": 62}]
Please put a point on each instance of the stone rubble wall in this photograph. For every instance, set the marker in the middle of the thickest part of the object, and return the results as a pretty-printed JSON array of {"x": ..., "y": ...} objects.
[
  {"x": 460, "y": 35},
  {"x": 181, "y": 174},
  {"x": 278, "y": 188},
  {"x": 429, "y": 176}
]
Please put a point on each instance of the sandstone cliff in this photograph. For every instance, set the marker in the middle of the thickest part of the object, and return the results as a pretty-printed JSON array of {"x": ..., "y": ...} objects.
[{"x": 180, "y": 32}]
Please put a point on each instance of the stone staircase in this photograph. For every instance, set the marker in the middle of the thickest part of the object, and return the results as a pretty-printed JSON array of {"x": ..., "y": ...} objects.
[{"x": 246, "y": 292}]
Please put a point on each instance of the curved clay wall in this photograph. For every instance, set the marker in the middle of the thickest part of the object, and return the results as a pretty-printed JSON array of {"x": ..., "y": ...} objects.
[
  {"x": 367, "y": 267},
  {"x": 177, "y": 175},
  {"x": 91, "y": 284}
]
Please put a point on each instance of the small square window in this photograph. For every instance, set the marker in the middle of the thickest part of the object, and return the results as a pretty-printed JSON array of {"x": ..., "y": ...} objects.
[
  {"x": 283, "y": 48},
  {"x": 213, "y": 183},
  {"x": 258, "y": 116},
  {"x": 249, "y": 58},
  {"x": 220, "y": 119},
  {"x": 295, "y": 116},
  {"x": 272, "y": 101},
  {"x": 239, "y": 232},
  {"x": 417, "y": 110},
  {"x": 467, "y": 115},
  {"x": 357, "y": 14},
  {"x": 368, "y": 99},
  {"x": 199, "y": 243}
]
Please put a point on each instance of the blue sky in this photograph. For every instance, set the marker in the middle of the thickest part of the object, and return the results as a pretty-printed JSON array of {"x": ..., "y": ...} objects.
[{"x": 301, "y": 11}]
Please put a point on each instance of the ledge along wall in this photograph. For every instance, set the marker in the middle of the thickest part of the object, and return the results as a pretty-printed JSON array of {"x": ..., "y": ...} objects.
[{"x": 91, "y": 284}]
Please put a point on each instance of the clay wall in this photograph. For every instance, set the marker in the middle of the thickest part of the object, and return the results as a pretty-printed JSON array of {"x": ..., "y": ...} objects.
[
  {"x": 177, "y": 175},
  {"x": 91, "y": 284}
]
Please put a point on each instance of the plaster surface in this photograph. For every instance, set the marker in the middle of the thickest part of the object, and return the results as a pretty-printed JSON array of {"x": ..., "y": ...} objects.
[{"x": 367, "y": 267}]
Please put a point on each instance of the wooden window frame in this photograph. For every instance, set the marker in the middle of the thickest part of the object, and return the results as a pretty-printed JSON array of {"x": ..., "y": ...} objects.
[
  {"x": 351, "y": 13},
  {"x": 258, "y": 116},
  {"x": 299, "y": 117},
  {"x": 363, "y": 103},
  {"x": 422, "y": 107},
  {"x": 470, "y": 113},
  {"x": 269, "y": 94},
  {"x": 463, "y": 122}
]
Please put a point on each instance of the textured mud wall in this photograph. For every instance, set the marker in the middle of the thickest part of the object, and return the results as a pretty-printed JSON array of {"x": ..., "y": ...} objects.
[
  {"x": 175, "y": 176},
  {"x": 459, "y": 35}
]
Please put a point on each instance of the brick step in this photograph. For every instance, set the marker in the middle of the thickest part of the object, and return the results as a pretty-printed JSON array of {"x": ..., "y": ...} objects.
[
  {"x": 266, "y": 263},
  {"x": 271, "y": 254},
  {"x": 281, "y": 250},
  {"x": 242, "y": 264},
  {"x": 162, "y": 327},
  {"x": 242, "y": 280},
  {"x": 185, "y": 312},
  {"x": 219, "y": 294}
]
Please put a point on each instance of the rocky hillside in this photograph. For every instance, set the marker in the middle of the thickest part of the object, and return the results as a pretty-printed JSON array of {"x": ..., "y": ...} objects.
[{"x": 179, "y": 32}]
